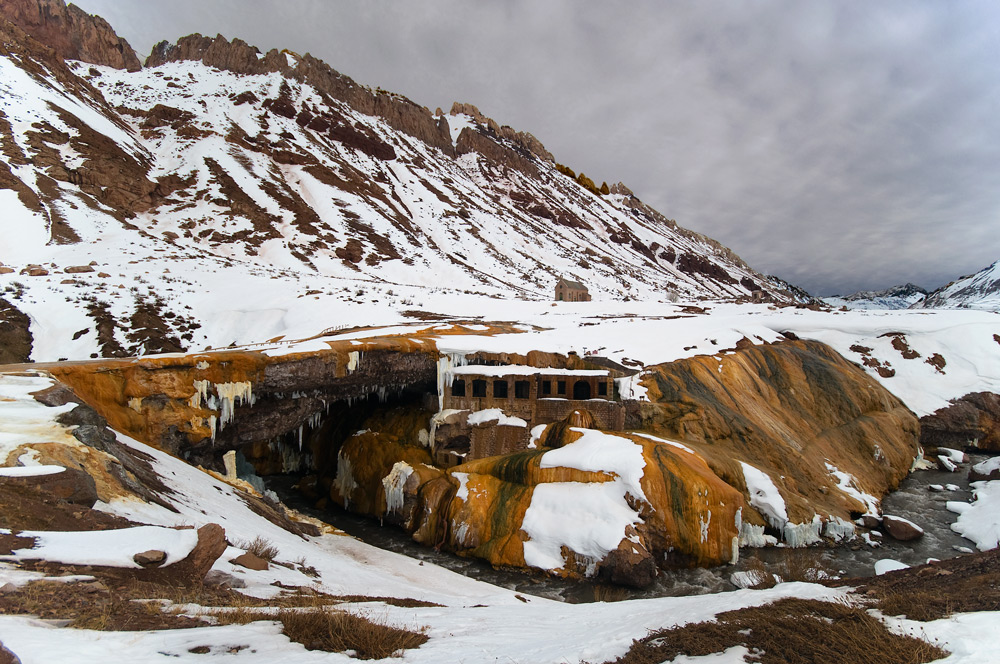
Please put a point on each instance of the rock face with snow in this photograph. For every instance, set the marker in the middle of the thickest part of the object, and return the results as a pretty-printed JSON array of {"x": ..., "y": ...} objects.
[
  {"x": 977, "y": 291},
  {"x": 971, "y": 421},
  {"x": 828, "y": 439},
  {"x": 277, "y": 168}
]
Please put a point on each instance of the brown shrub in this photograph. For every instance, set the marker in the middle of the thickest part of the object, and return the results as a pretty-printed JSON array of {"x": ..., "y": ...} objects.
[
  {"x": 333, "y": 630},
  {"x": 260, "y": 547},
  {"x": 790, "y": 631}
]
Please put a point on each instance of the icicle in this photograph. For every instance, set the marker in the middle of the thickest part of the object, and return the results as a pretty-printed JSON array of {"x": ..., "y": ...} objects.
[
  {"x": 200, "y": 393},
  {"x": 300, "y": 438},
  {"x": 352, "y": 361},
  {"x": 394, "y": 483},
  {"x": 231, "y": 395},
  {"x": 344, "y": 481}
]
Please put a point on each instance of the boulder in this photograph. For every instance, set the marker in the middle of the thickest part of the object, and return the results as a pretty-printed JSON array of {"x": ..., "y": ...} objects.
[
  {"x": 871, "y": 521},
  {"x": 900, "y": 528},
  {"x": 192, "y": 569},
  {"x": 222, "y": 579},
  {"x": 78, "y": 269},
  {"x": 7, "y": 657},
  {"x": 985, "y": 470},
  {"x": 250, "y": 561},
  {"x": 151, "y": 558}
]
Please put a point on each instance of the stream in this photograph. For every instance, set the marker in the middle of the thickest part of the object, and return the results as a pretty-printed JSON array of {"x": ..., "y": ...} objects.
[{"x": 915, "y": 500}]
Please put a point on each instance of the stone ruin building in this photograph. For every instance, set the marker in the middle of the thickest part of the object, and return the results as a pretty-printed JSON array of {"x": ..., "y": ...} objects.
[
  {"x": 571, "y": 291},
  {"x": 492, "y": 410}
]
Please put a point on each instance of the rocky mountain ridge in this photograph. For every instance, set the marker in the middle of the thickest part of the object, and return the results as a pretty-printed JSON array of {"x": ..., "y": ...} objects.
[
  {"x": 975, "y": 291},
  {"x": 296, "y": 179}
]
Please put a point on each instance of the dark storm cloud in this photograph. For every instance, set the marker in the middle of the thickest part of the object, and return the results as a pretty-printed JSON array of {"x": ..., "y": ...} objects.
[{"x": 838, "y": 145}]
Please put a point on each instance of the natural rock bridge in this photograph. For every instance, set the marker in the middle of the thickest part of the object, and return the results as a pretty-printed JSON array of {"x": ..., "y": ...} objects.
[{"x": 200, "y": 405}]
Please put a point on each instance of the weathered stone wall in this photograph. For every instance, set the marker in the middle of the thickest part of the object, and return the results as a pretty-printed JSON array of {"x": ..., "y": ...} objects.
[{"x": 608, "y": 415}]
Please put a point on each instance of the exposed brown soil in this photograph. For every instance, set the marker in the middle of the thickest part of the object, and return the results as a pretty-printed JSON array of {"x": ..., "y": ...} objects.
[
  {"x": 790, "y": 631},
  {"x": 31, "y": 508}
]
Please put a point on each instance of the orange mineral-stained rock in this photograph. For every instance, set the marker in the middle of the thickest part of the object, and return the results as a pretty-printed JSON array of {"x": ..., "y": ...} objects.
[
  {"x": 610, "y": 505},
  {"x": 379, "y": 476},
  {"x": 818, "y": 426},
  {"x": 614, "y": 506}
]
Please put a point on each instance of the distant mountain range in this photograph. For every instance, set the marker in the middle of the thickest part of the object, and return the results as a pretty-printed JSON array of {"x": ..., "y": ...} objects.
[
  {"x": 977, "y": 291},
  {"x": 897, "y": 297}
]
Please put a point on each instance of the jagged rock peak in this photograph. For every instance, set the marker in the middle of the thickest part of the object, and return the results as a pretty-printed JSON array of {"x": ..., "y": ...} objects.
[
  {"x": 236, "y": 55},
  {"x": 70, "y": 32},
  {"x": 242, "y": 58},
  {"x": 521, "y": 138}
]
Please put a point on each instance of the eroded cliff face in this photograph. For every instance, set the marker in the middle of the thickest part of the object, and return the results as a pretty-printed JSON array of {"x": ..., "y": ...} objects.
[
  {"x": 71, "y": 32},
  {"x": 796, "y": 411}
]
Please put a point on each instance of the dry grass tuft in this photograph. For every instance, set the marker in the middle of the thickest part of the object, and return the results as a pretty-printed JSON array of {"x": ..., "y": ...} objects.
[
  {"x": 92, "y": 606},
  {"x": 791, "y": 631},
  {"x": 334, "y": 630},
  {"x": 259, "y": 546}
]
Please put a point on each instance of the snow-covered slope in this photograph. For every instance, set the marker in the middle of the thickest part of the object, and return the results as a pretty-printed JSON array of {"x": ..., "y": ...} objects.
[
  {"x": 977, "y": 291},
  {"x": 139, "y": 205},
  {"x": 897, "y": 297}
]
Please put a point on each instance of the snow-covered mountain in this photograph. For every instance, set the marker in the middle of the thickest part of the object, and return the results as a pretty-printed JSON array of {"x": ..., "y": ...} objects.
[
  {"x": 977, "y": 291},
  {"x": 127, "y": 192},
  {"x": 897, "y": 297}
]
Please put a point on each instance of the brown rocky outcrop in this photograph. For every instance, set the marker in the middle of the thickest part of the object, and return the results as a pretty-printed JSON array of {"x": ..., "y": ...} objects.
[
  {"x": 172, "y": 402},
  {"x": 471, "y": 140},
  {"x": 523, "y": 139},
  {"x": 972, "y": 420},
  {"x": 71, "y": 485},
  {"x": 15, "y": 334},
  {"x": 787, "y": 409},
  {"x": 71, "y": 32}
]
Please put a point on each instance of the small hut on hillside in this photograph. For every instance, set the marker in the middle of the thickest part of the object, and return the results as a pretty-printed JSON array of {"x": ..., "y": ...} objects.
[{"x": 571, "y": 291}]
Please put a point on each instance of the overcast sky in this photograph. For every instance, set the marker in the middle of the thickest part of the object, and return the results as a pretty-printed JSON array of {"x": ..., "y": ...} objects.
[{"x": 838, "y": 145}]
